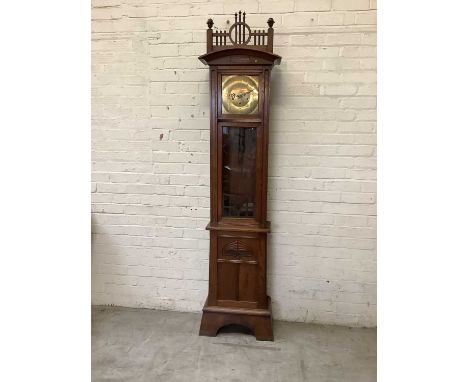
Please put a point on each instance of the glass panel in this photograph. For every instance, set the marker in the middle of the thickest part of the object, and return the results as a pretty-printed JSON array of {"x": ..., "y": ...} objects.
[
  {"x": 240, "y": 94},
  {"x": 239, "y": 152}
]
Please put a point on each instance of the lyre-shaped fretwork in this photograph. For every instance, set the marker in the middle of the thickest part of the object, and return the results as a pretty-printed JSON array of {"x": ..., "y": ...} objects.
[{"x": 240, "y": 34}]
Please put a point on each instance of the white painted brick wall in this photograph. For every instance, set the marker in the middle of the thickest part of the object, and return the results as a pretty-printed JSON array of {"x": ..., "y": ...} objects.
[{"x": 150, "y": 152}]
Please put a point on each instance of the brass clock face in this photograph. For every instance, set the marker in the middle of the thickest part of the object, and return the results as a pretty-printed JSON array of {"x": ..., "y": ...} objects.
[{"x": 240, "y": 94}]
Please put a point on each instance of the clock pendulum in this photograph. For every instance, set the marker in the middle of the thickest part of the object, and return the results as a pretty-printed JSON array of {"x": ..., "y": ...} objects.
[{"x": 240, "y": 62}]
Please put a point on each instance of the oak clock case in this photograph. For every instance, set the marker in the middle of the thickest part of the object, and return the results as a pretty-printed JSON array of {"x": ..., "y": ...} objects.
[{"x": 240, "y": 61}]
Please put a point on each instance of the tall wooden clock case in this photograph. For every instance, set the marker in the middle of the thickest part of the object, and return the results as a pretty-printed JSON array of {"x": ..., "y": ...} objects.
[{"x": 240, "y": 61}]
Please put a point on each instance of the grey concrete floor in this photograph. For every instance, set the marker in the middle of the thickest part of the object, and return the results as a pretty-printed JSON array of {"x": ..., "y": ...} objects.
[{"x": 151, "y": 345}]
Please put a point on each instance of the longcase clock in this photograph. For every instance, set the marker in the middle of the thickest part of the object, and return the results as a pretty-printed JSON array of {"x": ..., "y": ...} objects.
[{"x": 240, "y": 61}]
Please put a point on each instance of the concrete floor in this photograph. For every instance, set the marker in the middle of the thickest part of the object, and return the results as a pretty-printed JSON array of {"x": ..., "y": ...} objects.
[{"x": 150, "y": 345}]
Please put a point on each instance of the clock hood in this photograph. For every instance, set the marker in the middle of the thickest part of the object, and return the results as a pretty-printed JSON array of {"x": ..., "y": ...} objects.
[{"x": 240, "y": 56}]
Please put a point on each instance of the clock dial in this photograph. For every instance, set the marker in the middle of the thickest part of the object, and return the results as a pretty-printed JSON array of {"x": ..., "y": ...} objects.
[{"x": 240, "y": 94}]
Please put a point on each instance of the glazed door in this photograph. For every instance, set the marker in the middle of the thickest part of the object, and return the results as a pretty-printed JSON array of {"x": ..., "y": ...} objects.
[{"x": 239, "y": 167}]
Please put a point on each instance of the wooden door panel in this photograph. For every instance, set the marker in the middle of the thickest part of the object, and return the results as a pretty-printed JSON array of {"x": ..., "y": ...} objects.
[
  {"x": 237, "y": 276},
  {"x": 228, "y": 281},
  {"x": 247, "y": 282}
]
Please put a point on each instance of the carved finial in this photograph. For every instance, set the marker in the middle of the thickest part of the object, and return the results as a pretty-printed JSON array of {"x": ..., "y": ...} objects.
[
  {"x": 210, "y": 23},
  {"x": 270, "y": 22}
]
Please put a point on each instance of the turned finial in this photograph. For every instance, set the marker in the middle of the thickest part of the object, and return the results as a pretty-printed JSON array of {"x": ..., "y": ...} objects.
[
  {"x": 210, "y": 23},
  {"x": 270, "y": 22}
]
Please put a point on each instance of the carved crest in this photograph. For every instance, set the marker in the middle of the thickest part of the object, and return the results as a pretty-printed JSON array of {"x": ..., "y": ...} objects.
[
  {"x": 240, "y": 34},
  {"x": 237, "y": 249}
]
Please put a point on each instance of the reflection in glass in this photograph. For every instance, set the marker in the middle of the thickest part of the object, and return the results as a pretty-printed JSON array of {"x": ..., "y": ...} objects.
[{"x": 239, "y": 152}]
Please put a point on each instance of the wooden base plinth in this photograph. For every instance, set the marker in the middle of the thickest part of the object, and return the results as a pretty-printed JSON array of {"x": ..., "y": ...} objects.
[{"x": 259, "y": 321}]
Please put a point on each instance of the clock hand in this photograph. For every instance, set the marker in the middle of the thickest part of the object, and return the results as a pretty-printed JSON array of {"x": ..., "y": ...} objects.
[{"x": 243, "y": 94}]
